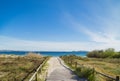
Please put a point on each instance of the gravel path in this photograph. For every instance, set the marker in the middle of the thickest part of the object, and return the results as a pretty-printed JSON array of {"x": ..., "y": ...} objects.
[{"x": 57, "y": 71}]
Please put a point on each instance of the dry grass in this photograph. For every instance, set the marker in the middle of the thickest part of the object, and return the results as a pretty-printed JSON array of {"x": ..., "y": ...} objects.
[
  {"x": 33, "y": 55},
  {"x": 106, "y": 67},
  {"x": 15, "y": 68}
]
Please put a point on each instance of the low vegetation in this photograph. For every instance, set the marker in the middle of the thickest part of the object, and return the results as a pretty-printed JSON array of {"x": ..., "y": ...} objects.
[
  {"x": 17, "y": 68},
  {"x": 108, "y": 53},
  {"x": 87, "y": 67}
]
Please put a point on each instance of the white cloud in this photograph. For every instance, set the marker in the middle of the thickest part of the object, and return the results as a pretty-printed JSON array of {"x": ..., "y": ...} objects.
[
  {"x": 7, "y": 43},
  {"x": 103, "y": 28},
  {"x": 16, "y": 44}
]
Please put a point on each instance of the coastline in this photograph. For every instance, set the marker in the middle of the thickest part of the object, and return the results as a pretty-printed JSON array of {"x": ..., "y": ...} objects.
[{"x": 47, "y": 53}]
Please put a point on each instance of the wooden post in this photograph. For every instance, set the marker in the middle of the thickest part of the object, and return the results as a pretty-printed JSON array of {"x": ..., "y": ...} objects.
[
  {"x": 75, "y": 64},
  {"x": 68, "y": 60},
  {"x": 71, "y": 62},
  {"x": 40, "y": 70},
  {"x": 117, "y": 78},
  {"x": 36, "y": 77},
  {"x": 93, "y": 70},
  {"x": 14, "y": 79}
]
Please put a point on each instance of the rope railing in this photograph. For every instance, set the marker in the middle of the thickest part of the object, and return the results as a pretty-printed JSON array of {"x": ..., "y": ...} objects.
[
  {"x": 35, "y": 76},
  {"x": 76, "y": 65}
]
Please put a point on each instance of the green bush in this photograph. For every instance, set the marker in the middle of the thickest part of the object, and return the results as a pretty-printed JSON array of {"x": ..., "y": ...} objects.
[
  {"x": 117, "y": 55},
  {"x": 108, "y": 53},
  {"x": 85, "y": 72}
]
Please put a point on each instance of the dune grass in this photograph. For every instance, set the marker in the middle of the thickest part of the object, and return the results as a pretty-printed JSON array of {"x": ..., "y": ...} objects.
[
  {"x": 109, "y": 66},
  {"x": 16, "y": 68},
  {"x": 112, "y": 69}
]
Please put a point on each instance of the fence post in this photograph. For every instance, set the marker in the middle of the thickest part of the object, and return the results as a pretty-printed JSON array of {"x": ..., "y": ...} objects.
[
  {"x": 93, "y": 70},
  {"x": 40, "y": 71},
  {"x": 117, "y": 78},
  {"x": 68, "y": 60},
  {"x": 75, "y": 64},
  {"x": 14, "y": 79},
  {"x": 71, "y": 62},
  {"x": 36, "y": 77}
]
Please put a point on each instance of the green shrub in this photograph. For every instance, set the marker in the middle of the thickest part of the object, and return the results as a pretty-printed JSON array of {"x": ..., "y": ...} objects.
[
  {"x": 108, "y": 53},
  {"x": 117, "y": 55},
  {"x": 85, "y": 59},
  {"x": 85, "y": 72}
]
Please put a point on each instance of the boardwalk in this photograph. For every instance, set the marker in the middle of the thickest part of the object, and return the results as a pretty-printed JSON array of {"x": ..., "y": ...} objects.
[{"x": 58, "y": 72}]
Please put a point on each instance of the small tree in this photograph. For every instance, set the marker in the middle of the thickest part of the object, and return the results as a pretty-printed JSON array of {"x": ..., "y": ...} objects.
[{"x": 109, "y": 52}]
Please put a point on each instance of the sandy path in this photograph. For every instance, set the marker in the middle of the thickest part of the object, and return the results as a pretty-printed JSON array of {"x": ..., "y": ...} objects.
[{"x": 58, "y": 72}]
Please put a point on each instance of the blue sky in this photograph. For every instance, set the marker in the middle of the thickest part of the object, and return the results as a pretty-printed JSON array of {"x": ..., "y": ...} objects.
[{"x": 59, "y": 25}]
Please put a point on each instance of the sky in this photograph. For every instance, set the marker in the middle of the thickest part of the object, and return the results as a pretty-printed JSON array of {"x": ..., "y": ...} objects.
[{"x": 59, "y": 25}]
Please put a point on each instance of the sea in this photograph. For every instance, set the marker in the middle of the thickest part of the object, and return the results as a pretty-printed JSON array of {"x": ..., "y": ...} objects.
[{"x": 47, "y": 53}]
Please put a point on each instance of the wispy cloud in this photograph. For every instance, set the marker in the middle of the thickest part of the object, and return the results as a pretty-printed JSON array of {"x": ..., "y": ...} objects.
[
  {"x": 101, "y": 28},
  {"x": 17, "y": 44},
  {"x": 8, "y": 43},
  {"x": 100, "y": 24}
]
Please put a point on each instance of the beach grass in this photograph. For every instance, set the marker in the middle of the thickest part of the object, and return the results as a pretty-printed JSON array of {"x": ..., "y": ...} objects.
[
  {"x": 108, "y": 66},
  {"x": 16, "y": 68}
]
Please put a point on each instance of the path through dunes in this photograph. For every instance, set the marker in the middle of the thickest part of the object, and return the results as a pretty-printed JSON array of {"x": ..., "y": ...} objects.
[{"x": 58, "y": 72}]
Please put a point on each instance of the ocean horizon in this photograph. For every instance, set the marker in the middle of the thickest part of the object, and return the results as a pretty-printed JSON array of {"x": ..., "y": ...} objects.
[{"x": 47, "y": 53}]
